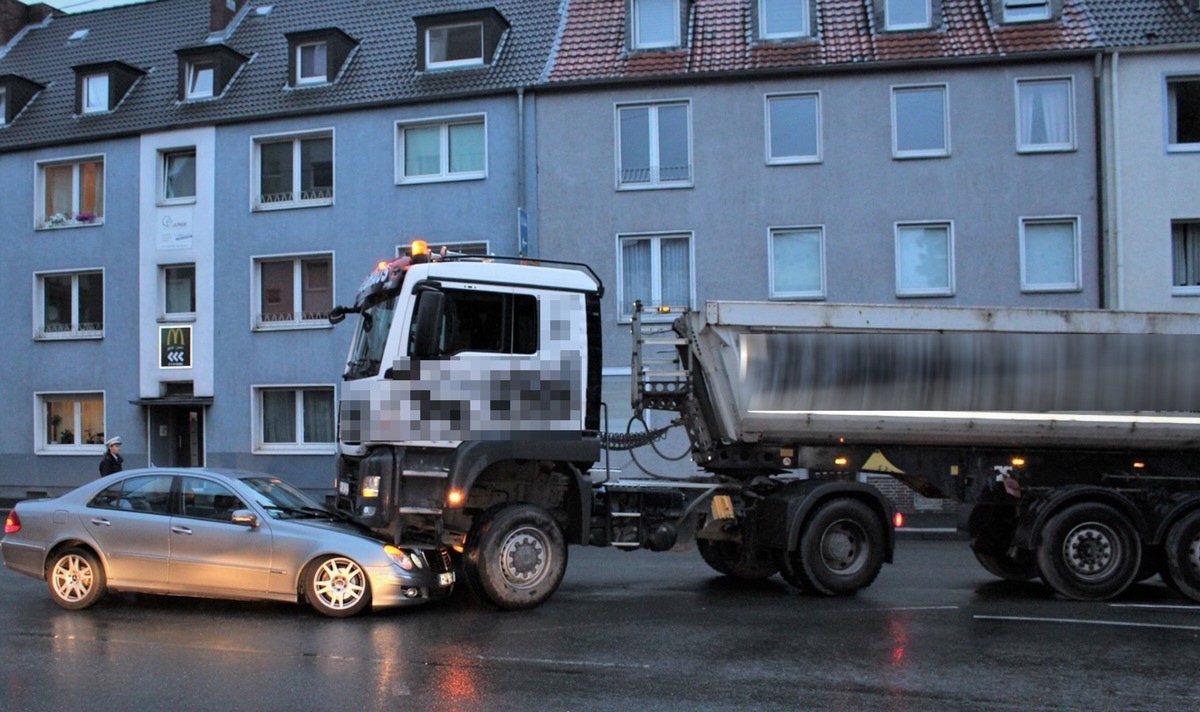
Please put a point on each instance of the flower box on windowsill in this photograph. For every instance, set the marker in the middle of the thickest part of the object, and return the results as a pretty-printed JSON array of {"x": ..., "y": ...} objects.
[{"x": 59, "y": 220}]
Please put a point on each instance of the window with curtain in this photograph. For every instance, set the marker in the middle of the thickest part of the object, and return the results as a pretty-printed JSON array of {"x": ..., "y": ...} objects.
[
  {"x": 797, "y": 257},
  {"x": 1183, "y": 113},
  {"x": 179, "y": 289},
  {"x": 1045, "y": 115},
  {"x": 294, "y": 172},
  {"x": 70, "y": 194},
  {"x": 1050, "y": 259},
  {"x": 70, "y": 305},
  {"x": 654, "y": 269},
  {"x": 442, "y": 151},
  {"x": 793, "y": 128},
  {"x": 295, "y": 418},
  {"x": 95, "y": 93},
  {"x": 907, "y": 14},
  {"x": 179, "y": 176},
  {"x": 655, "y": 146},
  {"x": 924, "y": 260},
  {"x": 781, "y": 19},
  {"x": 920, "y": 122},
  {"x": 655, "y": 23},
  {"x": 294, "y": 291},
  {"x": 70, "y": 421},
  {"x": 1185, "y": 256}
]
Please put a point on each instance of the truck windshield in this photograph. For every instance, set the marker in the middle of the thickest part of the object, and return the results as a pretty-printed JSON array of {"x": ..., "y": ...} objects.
[{"x": 370, "y": 339}]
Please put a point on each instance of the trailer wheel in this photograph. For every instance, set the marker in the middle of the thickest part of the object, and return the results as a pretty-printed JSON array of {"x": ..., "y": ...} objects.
[
  {"x": 1006, "y": 567},
  {"x": 516, "y": 556},
  {"x": 725, "y": 557},
  {"x": 1183, "y": 556},
  {"x": 840, "y": 550},
  {"x": 1089, "y": 552}
]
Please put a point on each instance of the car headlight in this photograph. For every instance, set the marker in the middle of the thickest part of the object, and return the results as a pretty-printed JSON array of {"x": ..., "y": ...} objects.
[
  {"x": 400, "y": 557},
  {"x": 370, "y": 486}
]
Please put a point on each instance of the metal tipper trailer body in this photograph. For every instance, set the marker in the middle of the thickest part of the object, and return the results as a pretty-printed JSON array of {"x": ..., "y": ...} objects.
[
  {"x": 1074, "y": 433},
  {"x": 470, "y": 417}
]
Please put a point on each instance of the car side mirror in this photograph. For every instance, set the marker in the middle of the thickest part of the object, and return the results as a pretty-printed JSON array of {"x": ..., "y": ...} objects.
[{"x": 245, "y": 517}]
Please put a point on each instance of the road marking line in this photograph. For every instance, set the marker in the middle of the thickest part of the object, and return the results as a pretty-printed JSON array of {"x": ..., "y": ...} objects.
[
  {"x": 1157, "y": 606},
  {"x": 1122, "y": 624},
  {"x": 566, "y": 663}
]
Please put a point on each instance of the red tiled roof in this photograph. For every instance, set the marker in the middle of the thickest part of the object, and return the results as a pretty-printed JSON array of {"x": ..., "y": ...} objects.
[{"x": 720, "y": 38}]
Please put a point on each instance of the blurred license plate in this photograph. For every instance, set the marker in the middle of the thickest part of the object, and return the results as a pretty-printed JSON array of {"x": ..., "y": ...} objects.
[
  {"x": 344, "y": 488},
  {"x": 446, "y": 579}
]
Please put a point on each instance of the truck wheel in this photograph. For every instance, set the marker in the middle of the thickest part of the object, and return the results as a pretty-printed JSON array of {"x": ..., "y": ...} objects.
[
  {"x": 1089, "y": 552},
  {"x": 840, "y": 551},
  {"x": 516, "y": 556},
  {"x": 1006, "y": 567},
  {"x": 75, "y": 578},
  {"x": 1183, "y": 556},
  {"x": 725, "y": 557}
]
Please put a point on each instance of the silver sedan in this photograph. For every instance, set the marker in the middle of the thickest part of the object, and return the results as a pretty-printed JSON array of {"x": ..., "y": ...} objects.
[{"x": 215, "y": 534}]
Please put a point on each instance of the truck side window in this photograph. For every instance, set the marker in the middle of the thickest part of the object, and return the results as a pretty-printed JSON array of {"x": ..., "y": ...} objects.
[{"x": 489, "y": 322}]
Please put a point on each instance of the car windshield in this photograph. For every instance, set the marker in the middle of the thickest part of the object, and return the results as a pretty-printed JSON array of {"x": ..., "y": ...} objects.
[
  {"x": 370, "y": 339},
  {"x": 283, "y": 501}
]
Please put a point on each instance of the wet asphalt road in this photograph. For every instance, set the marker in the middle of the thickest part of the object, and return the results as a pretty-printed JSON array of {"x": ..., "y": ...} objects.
[{"x": 626, "y": 631}]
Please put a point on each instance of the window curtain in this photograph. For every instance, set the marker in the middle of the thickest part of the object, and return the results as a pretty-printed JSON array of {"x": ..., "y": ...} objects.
[
  {"x": 635, "y": 274},
  {"x": 318, "y": 416},
  {"x": 279, "y": 416},
  {"x": 421, "y": 151},
  {"x": 676, "y": 272},
  {"x": 796, "y": 262},
  {"x": 1045, "y": 114},
  {"x": 59, "y": 190},
  {"x": 924, "y": 259},
  {"x": 656, "y": 23},
  {"x": 466, "y": 147},
  {"x": 181, "y": 176},
  {"x": 1050, "y": 254},
  {"x": 1185, "y": 254},
  {"x": 278, "y": 290},
  {"x": 181, "y": 292}
]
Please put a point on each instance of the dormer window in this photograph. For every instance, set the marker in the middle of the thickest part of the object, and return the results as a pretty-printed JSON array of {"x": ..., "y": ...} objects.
[
  {"x": 95, "y": 93},
  {"x": 458, "y": 40},
  {"x": 311, "y": 64},
  {"x": 783, "y": 19},
  {"x": 655, "y": 24},
  {"x": 99, "y": 88},
  {"x": 454, "y": 45},
  {"x": 907, "y": 14},
  {"x": 15, "y": 93},
  {"x": 205, "y": 72},
  {"x": 1026, "y": 10},
  {"x": 200, "y": 79},
  {"x": 317, "y": 56}
]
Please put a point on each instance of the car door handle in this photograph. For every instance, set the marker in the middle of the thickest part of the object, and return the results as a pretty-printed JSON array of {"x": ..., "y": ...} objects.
[
  {"x": 181, "y": 530},
  {"x": 101, "y": 522}
]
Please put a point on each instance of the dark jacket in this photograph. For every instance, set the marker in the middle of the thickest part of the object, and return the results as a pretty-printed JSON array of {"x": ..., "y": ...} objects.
[{"x": 110, "y": 463}]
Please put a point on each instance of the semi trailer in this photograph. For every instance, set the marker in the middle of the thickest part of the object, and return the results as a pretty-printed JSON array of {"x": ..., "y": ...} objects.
[{"x": 471, "y": 418}]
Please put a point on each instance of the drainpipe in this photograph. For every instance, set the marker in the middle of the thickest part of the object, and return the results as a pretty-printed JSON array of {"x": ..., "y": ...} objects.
[
  {"x": 1118, "y": 202},
  {"x": 1098, "y": 107},
  {"x": 520, "y": 162}
]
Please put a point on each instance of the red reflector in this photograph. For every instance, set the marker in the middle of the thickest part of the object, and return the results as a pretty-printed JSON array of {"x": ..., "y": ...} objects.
[
  {"x": 12, "y": 525},
  {"x": 898, "y": 520}
]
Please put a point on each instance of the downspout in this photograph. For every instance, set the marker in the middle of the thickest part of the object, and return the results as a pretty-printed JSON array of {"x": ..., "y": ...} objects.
[
  {"x": 1098, "y": 107},
  {"x": 520, "y": 162},
  {"x": 1118, "y": 201}
]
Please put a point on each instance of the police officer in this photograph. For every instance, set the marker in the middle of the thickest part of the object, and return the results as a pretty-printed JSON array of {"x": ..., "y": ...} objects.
[{"x": 112, "y": 460}]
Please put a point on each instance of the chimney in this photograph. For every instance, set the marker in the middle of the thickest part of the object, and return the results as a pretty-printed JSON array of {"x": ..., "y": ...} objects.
[
  {"x": 15, "y": 15},
  {"x": 223, "y": 11}
]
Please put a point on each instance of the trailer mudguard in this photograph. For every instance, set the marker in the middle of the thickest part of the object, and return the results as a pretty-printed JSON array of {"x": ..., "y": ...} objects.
[
  {"x": 780, "y": 517},
  {"x": 1034, "y": 516}
]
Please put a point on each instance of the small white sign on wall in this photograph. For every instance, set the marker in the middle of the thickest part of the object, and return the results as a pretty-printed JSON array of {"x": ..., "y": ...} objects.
[{"x": 175, "y": 228}]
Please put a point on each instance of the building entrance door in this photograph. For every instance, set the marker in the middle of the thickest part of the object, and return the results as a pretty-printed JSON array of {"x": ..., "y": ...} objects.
[{"x": 177, "y": 436}]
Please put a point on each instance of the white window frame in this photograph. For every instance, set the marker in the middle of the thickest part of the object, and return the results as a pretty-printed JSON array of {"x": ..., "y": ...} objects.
[
  {"x": 195, "y": 70},
  {"x": 1013, "y": 9},
  {"x": 815, "y": 295},
  {"x": 39, "y": 305},
  {"x": 95, "y": 87},
  {"x": 804, "y": 31},
  {"x": 1183, "y": 290},
  {"x": 889, "y": 25},
  {"x": 163, "y": 314},
  {"x": 164, "y": 158},
  {"x": 625, "y": 311},
  {"x": 41, "y": 446},
  {"x": 655, "y": 182},
  {"x": 635, "y": 25},
  {"x": 62, "y": 220},
  {"x": 256, "y": 144},
  {"x": 1070, "y": 144},
  {"x": 258, "y": 445},
  {"x": 443, "y": 123},
  {"x": 1077, "y": 257},
  {"x": 3, "y": 106},
  {"x": 430, "y": 63},
  {"x": 1170, "y": 113},
  {"x": 773, "y": 160},
  {"x": 301, "y": 77},
  {"x": 948, "y": 290},
  {"x": 943, "y": 152},
  {"x": 256, "y": 293}
]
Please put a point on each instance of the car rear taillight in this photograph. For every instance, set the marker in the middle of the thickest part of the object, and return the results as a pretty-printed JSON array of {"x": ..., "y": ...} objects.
[{"x": 12, "y": 525}]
